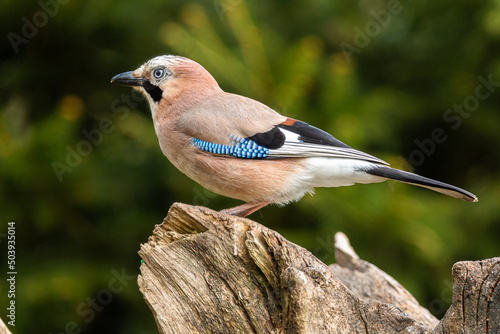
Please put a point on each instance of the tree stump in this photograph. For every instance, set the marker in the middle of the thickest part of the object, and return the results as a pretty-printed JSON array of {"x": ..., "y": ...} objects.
[
  {"x": 206, "y": 272},
  {"x": 3, "y": 328}
]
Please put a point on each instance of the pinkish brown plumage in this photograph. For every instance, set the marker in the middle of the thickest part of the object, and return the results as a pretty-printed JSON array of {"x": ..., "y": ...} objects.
[{"x": 240, "y": 148}]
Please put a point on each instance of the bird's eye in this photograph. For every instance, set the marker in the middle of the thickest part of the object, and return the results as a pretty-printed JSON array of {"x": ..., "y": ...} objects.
[{"x": 159, "y": 73}]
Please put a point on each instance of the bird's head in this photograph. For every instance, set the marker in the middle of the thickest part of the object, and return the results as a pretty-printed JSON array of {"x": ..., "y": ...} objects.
[{"x": 169, "y": 79}]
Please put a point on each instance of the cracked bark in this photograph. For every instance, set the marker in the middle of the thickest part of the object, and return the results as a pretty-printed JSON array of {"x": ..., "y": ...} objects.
[
  {"x": 206, "y": 272},
  {"x": 3, "y": 328}
]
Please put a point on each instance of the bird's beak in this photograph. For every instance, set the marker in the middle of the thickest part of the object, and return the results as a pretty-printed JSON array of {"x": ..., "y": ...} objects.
[{"x": 127, "y": 79}]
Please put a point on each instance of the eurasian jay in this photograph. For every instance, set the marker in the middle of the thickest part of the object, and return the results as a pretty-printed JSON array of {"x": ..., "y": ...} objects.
[{"x": 240, "y": 148}]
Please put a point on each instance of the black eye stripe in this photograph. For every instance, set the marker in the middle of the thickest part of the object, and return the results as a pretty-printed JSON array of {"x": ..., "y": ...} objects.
[{"x": 154, "y": 91}]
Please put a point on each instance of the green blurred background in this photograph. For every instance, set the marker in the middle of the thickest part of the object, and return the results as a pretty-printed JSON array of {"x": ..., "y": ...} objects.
[{"x": 379, "y": 75}]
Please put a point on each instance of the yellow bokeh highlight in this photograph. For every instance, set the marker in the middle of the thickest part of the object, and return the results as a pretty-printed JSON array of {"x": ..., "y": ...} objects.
[
  {"x": 71, "y": 108},
  {"x": 491, "y": 20},
  {"x": 339, "y": 65},
  {"x": 194, "y": 16}
]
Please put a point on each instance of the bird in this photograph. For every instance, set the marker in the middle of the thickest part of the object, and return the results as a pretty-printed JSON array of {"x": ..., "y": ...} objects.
[{"x": 240, "y": 148}]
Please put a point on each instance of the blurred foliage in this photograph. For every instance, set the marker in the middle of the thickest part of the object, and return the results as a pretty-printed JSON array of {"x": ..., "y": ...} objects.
[{"x": 390, "y": 88}]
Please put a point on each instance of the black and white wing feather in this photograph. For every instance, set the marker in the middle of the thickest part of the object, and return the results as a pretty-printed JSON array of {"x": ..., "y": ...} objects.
[
  {"x": 296, "y": 139},
  {"x": 293, "y": 139}
]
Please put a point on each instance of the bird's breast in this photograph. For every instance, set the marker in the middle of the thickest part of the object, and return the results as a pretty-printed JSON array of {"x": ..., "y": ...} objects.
[{"x": 250, "y": 180}]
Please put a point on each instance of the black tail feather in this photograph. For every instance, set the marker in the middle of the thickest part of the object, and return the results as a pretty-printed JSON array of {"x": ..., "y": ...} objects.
[{"x": 406, "y": 177}]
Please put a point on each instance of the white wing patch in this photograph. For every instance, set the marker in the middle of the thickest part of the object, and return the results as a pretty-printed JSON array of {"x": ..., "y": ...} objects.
[{"x": 294, "y": 147}]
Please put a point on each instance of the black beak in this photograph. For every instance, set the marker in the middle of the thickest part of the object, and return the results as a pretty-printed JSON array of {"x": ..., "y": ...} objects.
[{"x": 127, "y": 79}]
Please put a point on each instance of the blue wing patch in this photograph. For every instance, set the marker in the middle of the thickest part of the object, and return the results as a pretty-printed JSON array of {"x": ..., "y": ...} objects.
[{"x": 241, "y": 148}]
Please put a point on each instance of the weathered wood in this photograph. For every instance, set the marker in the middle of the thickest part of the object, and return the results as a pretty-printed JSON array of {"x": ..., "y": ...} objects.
[
  {"x": 367, "y": 281},
  {"x": 206, "y": 272},
  {"x": 3, "y": 328},
  {"x": 475, "y": 305}
]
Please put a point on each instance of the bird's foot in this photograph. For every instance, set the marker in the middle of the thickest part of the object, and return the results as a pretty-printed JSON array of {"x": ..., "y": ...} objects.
[{"x": 245, "y": 209}]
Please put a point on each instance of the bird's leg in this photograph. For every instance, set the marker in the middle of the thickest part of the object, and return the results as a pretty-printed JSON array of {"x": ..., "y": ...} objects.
[{"x": 245, "y": 209}]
